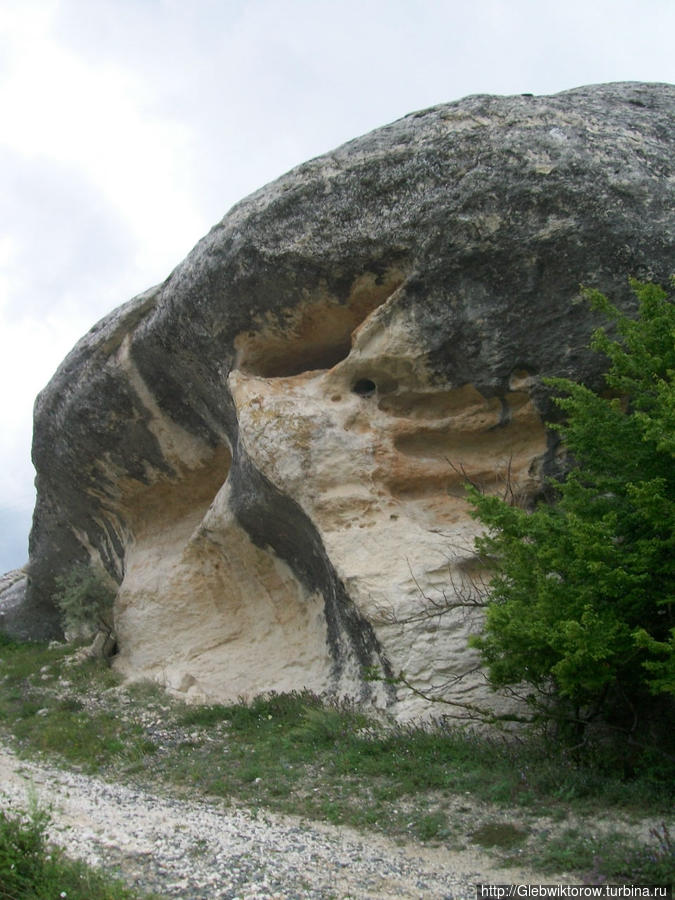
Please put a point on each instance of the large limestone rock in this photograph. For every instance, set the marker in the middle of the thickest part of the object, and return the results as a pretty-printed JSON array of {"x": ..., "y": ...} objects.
[
  {"x": 266, "y": 450},
  {"x": 13, "y": 612}
]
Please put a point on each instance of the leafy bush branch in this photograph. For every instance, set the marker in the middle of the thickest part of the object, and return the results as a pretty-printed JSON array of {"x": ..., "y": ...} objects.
[
  {"x": 577, "y": 595},
  {"x": 582, "y": 590},
  {"x": 85, "y": 600}
]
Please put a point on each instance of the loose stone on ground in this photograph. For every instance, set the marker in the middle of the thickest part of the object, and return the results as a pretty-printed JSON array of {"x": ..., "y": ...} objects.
[{"x": 209, "y": 851}]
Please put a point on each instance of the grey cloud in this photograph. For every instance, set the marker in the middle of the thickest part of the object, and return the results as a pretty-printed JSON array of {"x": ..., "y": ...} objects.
[
  {"x": 14, "y": 528},
  {"x": 265, "y": 84},
  {"x": 66, "y": 241}
]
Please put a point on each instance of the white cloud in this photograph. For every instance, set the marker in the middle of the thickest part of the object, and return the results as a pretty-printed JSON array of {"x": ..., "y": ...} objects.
[
  {"x": 97, "y": 117},
  {"x": 130, "y": 126},
  {"x": 32, "y": 348}
]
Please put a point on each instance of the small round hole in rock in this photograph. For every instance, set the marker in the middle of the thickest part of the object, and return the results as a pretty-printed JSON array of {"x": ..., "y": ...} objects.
[{"x": 364, "y": 387}]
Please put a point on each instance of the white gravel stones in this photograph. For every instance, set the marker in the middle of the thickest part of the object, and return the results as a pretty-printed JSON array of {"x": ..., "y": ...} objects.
[{"x": 208, "y": 851}]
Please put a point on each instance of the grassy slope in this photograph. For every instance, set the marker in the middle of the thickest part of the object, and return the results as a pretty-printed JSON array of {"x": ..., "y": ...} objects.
[{"x": 296, "y": 754}]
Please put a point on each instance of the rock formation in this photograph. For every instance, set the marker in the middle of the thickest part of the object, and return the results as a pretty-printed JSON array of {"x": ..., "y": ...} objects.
[
  {"x": 265, "y": 451},
  {"x": 14, "y": 617}
]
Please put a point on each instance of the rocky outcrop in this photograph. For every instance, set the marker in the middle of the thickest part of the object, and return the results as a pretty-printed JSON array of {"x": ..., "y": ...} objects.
[
  {"x": 15, "y": 617},
  {"x": 266, "y": 451}
]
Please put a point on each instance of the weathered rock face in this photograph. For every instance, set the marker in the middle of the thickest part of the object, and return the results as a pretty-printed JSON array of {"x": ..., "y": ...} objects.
[
  {"x": 13, "y": 617},
  {"x": 263, "y": 450}
]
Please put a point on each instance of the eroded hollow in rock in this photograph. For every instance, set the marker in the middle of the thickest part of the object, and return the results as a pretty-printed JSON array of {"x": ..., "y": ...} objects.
[
  {"x": 364, "y": 387},
  {"x": 205, "y": 611},
  {"x": 472, "y": 438},
  {"x": 316, "y": 334},
  {"x": 175, "y": 506}
]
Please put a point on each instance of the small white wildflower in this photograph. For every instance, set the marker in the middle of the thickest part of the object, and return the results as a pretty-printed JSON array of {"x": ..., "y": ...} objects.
[{"x": 63, "y": 894}]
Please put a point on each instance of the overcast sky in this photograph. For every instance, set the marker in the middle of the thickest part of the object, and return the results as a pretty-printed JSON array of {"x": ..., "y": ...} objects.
[{"x": 129, "y": 127}]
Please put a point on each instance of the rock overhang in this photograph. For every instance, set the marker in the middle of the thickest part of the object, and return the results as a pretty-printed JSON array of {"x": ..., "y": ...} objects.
[{"x": 328, "y": 352}]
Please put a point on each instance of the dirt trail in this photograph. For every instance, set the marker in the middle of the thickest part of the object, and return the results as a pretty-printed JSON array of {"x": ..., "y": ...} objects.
[{"x": 199, "y": 850}]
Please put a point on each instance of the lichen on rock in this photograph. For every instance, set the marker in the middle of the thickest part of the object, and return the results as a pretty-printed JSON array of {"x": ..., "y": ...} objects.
[{"x": 268, "y": 450}]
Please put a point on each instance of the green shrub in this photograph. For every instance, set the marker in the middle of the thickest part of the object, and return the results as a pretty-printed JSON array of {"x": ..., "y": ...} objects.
[
  {"x": 85, "y": 600},
  {"x": 30, "y": 869},
  {"x": 582, "y": 594}
]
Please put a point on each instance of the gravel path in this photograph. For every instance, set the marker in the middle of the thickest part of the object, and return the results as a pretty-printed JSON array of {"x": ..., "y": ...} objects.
[{"x": 209, "y": 851}]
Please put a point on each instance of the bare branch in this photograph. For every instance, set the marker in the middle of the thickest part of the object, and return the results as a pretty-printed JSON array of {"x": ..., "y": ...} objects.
[
  {"x": 460, "y": 470},
  {"x": 508, "y": 495},
  {"x": 472, "y": 712}
]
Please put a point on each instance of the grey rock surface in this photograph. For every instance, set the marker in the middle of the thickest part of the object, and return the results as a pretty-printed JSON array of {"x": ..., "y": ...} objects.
[
  {"x": 16, "y": 617},
  {"x": 466, "y": 229}
]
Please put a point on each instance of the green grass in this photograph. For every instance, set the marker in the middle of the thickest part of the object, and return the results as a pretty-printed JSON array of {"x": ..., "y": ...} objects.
[
  {"x": 499, "y": 834},
  {"x": 31, "y": 869},
  {"x": 302, "y": 754},
  {"x": 610, "y": 856},
  {"x": 40, "y": 706}
]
